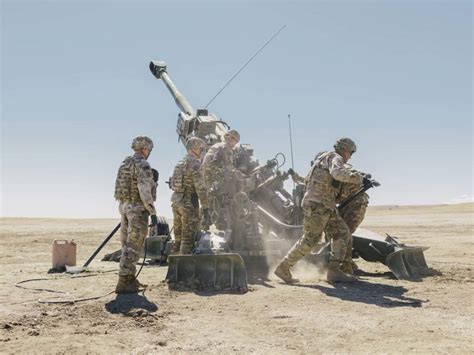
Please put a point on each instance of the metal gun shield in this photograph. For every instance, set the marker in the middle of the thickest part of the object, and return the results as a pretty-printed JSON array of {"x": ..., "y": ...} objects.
[
  {"x": 207, "y": 272},
  {"x": 408, "y": 263},
  {"x": 405, "y": 262}
]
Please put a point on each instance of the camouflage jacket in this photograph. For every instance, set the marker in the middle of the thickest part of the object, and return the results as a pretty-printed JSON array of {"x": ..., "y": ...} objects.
[
  {"x": 218, "y": 161},
  {"x": 135, "y": 182},
  {"x": 349, "y": 189},
  {"x": 323, "y": 181},
  {"x": 192, "y": 184}
]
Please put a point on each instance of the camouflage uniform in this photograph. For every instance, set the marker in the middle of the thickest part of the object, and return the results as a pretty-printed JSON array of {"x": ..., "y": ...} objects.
[
  {"x": 218, "y": 160},
  {"x": 220, "y": 177},
  {"x": 185, "y": 203},
  {"x": 353, "y": 214},
  {"x": 319, "y": 207},
  {"x": 135, "y": 190}
]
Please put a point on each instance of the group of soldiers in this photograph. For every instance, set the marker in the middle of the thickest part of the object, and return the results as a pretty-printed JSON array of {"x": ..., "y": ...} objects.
[
  {"x": 135, "y": 189},
  {"x": 197, "y": 180}
]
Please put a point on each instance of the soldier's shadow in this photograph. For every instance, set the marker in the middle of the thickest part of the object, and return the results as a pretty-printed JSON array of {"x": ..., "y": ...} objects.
[
  {"x": 380, "y": 295},
  {"x": 125, "y": 303}
]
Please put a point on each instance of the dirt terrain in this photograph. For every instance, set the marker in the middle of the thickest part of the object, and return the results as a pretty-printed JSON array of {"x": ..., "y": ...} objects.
[{"x": 376, "y": 314}]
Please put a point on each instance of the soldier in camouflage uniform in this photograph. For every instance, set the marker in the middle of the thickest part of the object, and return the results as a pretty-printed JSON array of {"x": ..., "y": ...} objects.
[
  {"x": 220, "y": 173},
  {"x": 320, "y": 213},
  {"x": 353, "y": 214},
  {"x": 135, "y": 190},
  {"x": 187, "y": 183}
]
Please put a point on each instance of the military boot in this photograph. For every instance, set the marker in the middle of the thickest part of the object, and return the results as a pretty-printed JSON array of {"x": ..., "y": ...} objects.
[
  {"x": 283, "y": 272},
  {"x": 336, "y": 274},
  {"x": 126, "y": 284}
]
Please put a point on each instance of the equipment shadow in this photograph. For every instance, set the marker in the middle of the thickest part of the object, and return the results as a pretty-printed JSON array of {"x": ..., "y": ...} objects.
[
  {"x": 385, "y": 296},
  {"x": 259, "y": 279},
  {"x": 383, "y": 275},
  {"x": 125, "y": 303},
  {"x": 429, "y": 272},
  {"x": 207, "y": 292}
]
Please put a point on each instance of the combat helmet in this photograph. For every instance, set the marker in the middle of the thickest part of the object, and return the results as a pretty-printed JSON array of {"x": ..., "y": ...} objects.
[
  {"x": 142, "y": 142},
  {"x": 195, "y": 142},
  {"x": 345, "y": 142},
  {"x": 233, "y": 133}
]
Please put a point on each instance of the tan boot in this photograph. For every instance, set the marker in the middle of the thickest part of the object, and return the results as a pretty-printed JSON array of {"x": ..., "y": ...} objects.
[
  {"x": 347, "y": 267},
  {"x": 335, "y": 273},
  {"x": 126, "y": 284},
  {"x": 283, "y": 272}
]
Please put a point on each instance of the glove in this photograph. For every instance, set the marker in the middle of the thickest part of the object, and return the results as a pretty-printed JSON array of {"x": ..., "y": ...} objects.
[
  {"x": 367, "y": 182},
  {"x": 206, "y": 218},
  {"x": 154, "y": 220},
  {"x": 370, "y": 183}
]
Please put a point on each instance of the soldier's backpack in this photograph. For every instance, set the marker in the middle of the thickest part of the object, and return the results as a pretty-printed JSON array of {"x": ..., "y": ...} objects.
[{"x": 176, "y": 180}]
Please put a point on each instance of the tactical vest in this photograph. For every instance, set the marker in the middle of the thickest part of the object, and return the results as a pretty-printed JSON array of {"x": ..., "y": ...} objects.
[
  {"x": 320, "y": 186},
  {"x": 177, "y": 179},
  {"x": 126, "y": 186}
]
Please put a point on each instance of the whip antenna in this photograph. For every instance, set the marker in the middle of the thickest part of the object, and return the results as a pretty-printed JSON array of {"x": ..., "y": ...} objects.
[
  {"x": 243, "y": 67},
  {"x": 291, "y": 145}
]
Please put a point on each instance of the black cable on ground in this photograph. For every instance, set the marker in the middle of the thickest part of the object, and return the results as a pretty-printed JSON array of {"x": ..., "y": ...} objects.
[
  {"x": 18, "y": 284},
  {"x": 74, "y": 300},
  {"x": 37, "y": 289}
]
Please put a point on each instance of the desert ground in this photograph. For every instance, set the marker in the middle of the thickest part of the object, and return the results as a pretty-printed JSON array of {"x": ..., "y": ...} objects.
[{"x": 378, "y": 314}]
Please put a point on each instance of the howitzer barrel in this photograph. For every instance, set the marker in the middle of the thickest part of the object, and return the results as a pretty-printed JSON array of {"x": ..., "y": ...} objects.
[{"x": 158, "y": 69}]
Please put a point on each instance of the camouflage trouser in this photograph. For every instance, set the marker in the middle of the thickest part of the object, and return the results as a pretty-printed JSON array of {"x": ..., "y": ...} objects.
[
  {"x": 133, "y": 230},
  {"x": 318, "y": 218},
  {"x": 353, "y": 214},
  {"x": 185, "y": 224}
]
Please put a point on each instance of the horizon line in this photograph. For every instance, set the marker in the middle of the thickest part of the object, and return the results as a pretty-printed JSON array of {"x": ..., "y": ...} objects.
[{"x": 167, "y": 217}]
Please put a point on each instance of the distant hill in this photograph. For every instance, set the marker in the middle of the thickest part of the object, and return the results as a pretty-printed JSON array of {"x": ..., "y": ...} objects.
[{"x": 467, "y": 207}]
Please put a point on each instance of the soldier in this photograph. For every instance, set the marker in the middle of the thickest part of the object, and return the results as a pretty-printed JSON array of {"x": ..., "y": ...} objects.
[
  {"x": 353, "y": 214},
  {"x": 220, "y": 172},
  {"x": 187, "y": 183},
  {"x": 135, "y": 190},
  {"x": 320, "y": 213}
]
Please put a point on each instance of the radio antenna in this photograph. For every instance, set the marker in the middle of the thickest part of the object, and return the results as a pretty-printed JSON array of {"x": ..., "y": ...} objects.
[
  {"x": 291, "y": 145},
  {"x": 243, "y": 67}
]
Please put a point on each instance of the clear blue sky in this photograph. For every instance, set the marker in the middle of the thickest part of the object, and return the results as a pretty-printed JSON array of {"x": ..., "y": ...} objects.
[{"x": 396, "y": 76}]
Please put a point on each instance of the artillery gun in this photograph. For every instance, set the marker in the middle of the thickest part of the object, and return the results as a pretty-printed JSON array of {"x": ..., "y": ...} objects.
[
  {"x": 262, "y": 215},
  {"x": 263, "y": 218}
]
